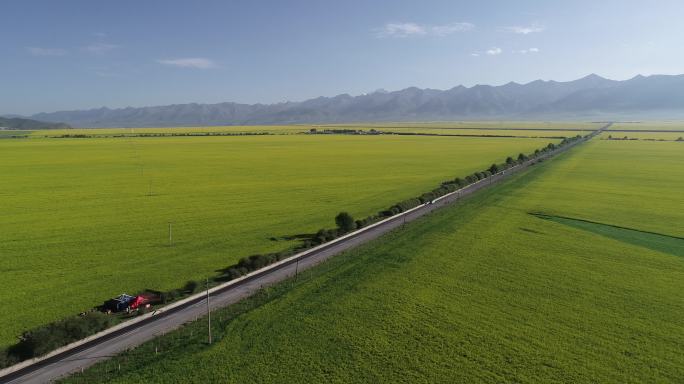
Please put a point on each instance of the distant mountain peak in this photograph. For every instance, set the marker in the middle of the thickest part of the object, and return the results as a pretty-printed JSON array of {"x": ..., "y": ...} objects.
[{"x": 593, "y": 76}]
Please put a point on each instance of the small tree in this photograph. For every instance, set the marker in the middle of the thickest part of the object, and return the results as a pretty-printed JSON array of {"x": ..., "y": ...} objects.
[
  {"x": 509, "y": 160},
  {"x": 191, "y": 287},
  {"x": 522, "y": 157},
  {"x": 494, "y": 168},
  {"x": 345, "y": 221},
  {"x": 680, "y": 138}
]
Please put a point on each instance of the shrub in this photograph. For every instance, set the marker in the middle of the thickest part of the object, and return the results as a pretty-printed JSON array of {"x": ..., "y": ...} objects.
[
  {"x": 191, "y": 287},
  {"x": 6, "y": 359},
  {"x": 385, "y": 213},
  {"x": 42, "y": 340},
  {"x": 426, "y": 197},
  {"x": 233, "y": 273},
  {"x": 345, "y": 222},
  {"x": 171, "y": 295},
  {"x": 324, "y": 235}
]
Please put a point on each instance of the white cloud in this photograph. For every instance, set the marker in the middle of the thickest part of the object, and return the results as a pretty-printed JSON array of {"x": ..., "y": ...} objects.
[
  {"x": 401, "y": 30},
  {"x": 448, "y": 29},
  {"x": 494, "y": 51},
  {"x": 524, "y": 30},
  {"x": 533, "y": 50},
  {"x": 475, "y": 54},
  {"x": 189, "y": 62},
  {"x": 100, "y": 48},
  {"x": 37, "y": 51},
  {"x": 413, "y": 29},
  {"x": 529, "y": 50}
]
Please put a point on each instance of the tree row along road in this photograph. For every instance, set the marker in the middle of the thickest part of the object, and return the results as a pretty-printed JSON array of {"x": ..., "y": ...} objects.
[{"x": 76, "y": 358}]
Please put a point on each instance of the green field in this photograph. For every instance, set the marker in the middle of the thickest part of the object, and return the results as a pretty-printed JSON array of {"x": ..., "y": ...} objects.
[
  {"x": 657, "y": 136},
  {"x": 652, "y": 130},
  {"x": 498, "y": 128},
  {"x": 7, "y": 133},
  {"x": 650, "y": 126},
  {"x": 480, "y": 292},
  {"x": 85, "y": 219},
  {"x": 230, "y": 129},
  {"x": 557, "y": 132},
  {"x": 499, "y": 124}
]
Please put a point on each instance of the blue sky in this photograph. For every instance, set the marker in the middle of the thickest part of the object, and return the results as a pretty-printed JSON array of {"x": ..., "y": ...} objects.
[{"x": 86, "y": 54}]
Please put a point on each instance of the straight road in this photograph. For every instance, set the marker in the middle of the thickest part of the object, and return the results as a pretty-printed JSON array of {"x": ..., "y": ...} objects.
[{"x": 102, "y": 348}]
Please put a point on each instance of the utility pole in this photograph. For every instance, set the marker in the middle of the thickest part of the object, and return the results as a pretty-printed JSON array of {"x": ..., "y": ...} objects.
[
  {"x": 296, "y": 269},
  {"x": 170, "y": 236},
  {"x": 208, "y": 311}
]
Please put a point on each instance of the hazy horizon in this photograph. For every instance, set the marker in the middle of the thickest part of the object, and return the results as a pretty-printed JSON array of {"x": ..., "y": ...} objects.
[{"x": 346, "y": 93}]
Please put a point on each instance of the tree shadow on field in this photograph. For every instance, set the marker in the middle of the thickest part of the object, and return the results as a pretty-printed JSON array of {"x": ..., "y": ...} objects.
[
  {"x": 531, "y": 231},
  {"x": 299, "y": 236},
  {"x": 660, "y": 242}
]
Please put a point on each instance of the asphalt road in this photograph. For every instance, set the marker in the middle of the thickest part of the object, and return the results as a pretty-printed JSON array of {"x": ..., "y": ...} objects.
[{"x": 101, "y": 349}]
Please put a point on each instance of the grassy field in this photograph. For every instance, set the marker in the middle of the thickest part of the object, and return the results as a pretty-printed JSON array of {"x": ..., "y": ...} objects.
[
  {"x": 501, "y": 128},
  {"x": 480, "y": 292},
  {"x": 650, "y": 126},
  {"x": 85, "y": 219},
  {"x": 644, "y": 135},
  {"x": 480, "y": 131},
  {"x": 9, "y": 133},
  {"x": 656, "y": 130},
  {"x": 546, "y": 129},
  {"x": 496, "y": 124},
  {"x": 276, "y": 129}
]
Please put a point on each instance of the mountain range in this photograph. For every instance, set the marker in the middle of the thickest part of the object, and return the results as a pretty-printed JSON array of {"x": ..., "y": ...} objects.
[
  {"x": 591, "y": 97},
  {"x": 28, "y": 124}
]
